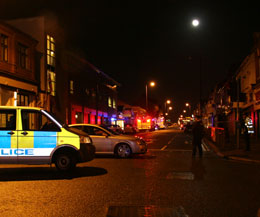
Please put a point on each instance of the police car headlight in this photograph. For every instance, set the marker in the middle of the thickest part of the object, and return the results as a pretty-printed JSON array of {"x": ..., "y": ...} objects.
[{"x": 84, "y": 139}]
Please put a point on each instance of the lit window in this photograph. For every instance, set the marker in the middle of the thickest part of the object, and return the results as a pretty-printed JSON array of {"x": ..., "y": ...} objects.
[
  {"x": 22, "y": 100},
  {"x": 50, "y": 51},
  {"x": 71, "y": 87},
  {"x": 51, "y": 82},
  {"x": 23, "y": 56},
  {"x": 51, "y": 74},
  {"x": 114, "y": 103},
  {"x": 4, "y": 48},
  {"x": 109, "y": 102}
]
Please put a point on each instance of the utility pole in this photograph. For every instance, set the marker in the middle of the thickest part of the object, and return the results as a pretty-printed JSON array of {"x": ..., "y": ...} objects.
[{"x": 237, "y": 120}]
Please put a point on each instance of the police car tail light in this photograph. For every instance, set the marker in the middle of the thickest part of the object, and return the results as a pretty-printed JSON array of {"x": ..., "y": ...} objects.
[{"x": 84, "y": 139}]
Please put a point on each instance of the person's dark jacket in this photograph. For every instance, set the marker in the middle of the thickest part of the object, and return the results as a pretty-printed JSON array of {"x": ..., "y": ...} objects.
[{"x": 198, "y": 132}]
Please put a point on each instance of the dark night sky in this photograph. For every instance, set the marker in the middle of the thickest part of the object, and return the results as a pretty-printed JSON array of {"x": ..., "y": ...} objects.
[{"x": 138, "y": 41}]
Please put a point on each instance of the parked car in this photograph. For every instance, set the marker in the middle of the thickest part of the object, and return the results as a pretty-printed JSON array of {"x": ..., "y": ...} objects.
[
  {"x": 107, "y": 141},
  {"x": 115, "y": 128},
  {"x": 31, "y": 135}
]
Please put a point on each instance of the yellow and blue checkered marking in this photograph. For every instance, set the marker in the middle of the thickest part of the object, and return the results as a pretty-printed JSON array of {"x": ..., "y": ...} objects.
[
  {"x": 35, "y": 143},
  {"x": 5, "y": 139},
  {"x": 45, "y": 139}
]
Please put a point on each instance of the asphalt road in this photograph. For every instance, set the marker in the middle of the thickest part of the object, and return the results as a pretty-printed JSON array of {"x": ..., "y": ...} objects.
[{"x": 164, "y": 182}]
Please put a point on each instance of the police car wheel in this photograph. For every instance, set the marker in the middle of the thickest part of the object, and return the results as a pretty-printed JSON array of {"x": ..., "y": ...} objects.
[
  {"x": 123, "y": 151},
  {"x": 65, "y": 162}
]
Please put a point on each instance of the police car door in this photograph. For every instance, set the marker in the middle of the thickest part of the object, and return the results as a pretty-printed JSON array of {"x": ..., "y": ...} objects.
[
  {"x": 38, "y": 137},
  {"x": 8, "y": 136}
]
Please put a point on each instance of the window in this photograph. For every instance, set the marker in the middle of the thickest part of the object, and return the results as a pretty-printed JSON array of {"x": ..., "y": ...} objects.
[
  {"x": 4, "y": 48},
  {"x": 50, "y": 51},
  {"x": 99, "y": 132},
  {"x": 22, "y": 100},
  {"x": 23, "y": 56},
  {"x": 94, "y": 131},
  {"x": 7, "y": 119},
  {"x": 109, "y": 102},
  {"x": 79, "y": 117},
  {"x": 36, "y": 121},
  {"x": 71, "y": 87},
  {"x": 51, "y": 82},
  {"x": 51, "y": 74},
  {"x": 114, "y": 103}
]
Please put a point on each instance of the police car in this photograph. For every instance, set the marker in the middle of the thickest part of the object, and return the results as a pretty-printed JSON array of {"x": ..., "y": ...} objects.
[{"x": 31, "y": 135}]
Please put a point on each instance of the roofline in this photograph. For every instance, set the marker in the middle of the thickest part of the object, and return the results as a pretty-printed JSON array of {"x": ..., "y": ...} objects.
[{"x": 20, "y": 107}]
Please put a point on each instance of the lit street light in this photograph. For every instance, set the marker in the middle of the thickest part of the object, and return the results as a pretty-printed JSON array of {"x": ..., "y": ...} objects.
[
  {"x": 188, "y": 105},
  {"x": 151, "y": 84},
  {"x": 170, "y": 108},
  {"x": 165, "y": 105}
]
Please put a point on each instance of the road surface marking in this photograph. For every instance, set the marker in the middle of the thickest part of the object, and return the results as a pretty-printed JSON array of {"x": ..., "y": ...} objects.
[
  {"x": 205, "y": 147},
  {"x": 180, "y": 175},
  {"x": 164, "y": 147},
  {"x": 170, "y": 140},
  {"x": 170, "y": 150}
]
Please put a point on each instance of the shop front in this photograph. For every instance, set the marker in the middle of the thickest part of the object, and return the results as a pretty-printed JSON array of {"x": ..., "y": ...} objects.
[{"x": 257, "y": 112}]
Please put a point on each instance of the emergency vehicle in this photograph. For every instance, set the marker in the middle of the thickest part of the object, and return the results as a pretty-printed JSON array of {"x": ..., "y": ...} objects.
[
  {"x": 30, "y": 135},
  {"x": 143, "y": 123}
]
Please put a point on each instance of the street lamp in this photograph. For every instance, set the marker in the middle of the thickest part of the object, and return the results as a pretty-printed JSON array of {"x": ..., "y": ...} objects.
[
  {"x": 165, "y": 105},
  {"x": 170, "y": 108},
  {"x": 184, "y": 111},
  {"x": 151, "y": 84},
  {"x": 188, "y": 105}
]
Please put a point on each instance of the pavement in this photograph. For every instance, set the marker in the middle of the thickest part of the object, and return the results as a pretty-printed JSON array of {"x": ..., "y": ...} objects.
[{"x": 232, "y": 152}]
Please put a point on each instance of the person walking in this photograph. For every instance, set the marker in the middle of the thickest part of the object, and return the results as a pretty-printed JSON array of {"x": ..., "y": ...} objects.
[{"x": 197, "y": 132}]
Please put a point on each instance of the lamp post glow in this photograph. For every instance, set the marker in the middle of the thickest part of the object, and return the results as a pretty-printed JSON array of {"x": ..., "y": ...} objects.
[
  {"x": 188, "y": 105},
  {"x": 165, "y": 105},
  {"x": 152, "y": 84}
]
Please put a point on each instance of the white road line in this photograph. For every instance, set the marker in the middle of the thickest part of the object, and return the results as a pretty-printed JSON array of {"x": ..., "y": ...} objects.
[
  {"x": 170, "y": 150},
  {"x": 170, "y": 140},
  {"x": 164, "y": 147},
  {"x": 205, "y": 147}
]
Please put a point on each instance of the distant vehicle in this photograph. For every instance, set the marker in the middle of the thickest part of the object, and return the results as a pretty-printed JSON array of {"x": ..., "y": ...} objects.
[
  {"x": 107, "y": 141},
  {"x": 182, "y": 126},
  {"x": 188, "y": 128},
  {"x": 130, "y": 129},
  {"x": 174, "y": 124},
  {"x": 115, "y": 128}
]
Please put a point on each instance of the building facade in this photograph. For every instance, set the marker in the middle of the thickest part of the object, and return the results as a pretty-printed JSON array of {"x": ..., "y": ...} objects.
[
  {"x": 68, "y": 85},
  {"x": 18, "y": 80}
]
